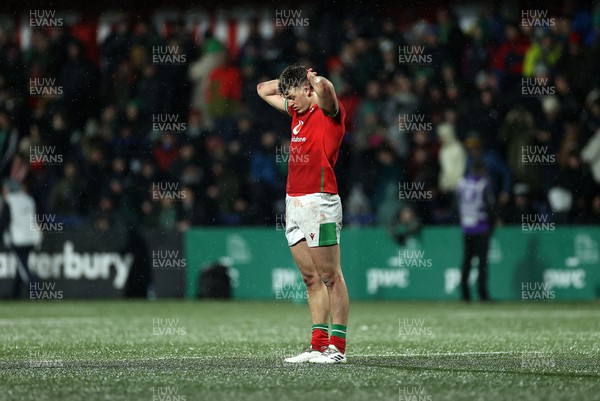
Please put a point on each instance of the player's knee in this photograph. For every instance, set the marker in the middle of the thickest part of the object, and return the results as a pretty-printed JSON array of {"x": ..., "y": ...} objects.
[
  {"x": 331, "y": 278},
  {"x": 310, "y": 279}
]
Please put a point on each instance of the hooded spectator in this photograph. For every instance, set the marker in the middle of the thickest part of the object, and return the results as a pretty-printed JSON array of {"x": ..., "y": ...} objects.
[{"x": 452, "y": 158}]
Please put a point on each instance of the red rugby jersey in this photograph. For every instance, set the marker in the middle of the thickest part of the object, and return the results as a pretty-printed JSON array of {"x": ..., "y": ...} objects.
[{"x": 314, "y": 149}]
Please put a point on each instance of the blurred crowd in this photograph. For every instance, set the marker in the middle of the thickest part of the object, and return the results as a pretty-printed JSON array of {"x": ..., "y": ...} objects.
[{"x": 98, "y": 153}]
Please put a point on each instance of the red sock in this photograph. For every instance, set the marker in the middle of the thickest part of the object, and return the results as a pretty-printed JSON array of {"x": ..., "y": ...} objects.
[
  {"x": 339, "y": 342},
  {"x": 320, "y": 338}
]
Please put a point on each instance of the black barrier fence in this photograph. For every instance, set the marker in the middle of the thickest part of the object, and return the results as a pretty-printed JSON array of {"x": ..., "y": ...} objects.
[{"x": 87, "y": 263}]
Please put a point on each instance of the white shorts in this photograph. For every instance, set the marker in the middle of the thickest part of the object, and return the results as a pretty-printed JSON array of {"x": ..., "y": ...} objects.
[{"x": 314, "y": 217}]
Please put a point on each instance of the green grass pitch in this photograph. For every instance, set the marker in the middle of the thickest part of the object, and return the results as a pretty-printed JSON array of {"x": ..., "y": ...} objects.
[{"x": 184, "y": 351}]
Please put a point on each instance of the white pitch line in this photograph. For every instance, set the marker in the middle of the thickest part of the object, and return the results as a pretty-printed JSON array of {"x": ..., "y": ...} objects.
[
  {"x": 473, "y": 353},
  {"x": 539, "y": 314}
]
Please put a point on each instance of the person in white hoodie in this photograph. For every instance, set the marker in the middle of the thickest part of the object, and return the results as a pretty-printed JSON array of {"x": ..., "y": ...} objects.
[
  {"x": 452, "y": 158},
  {"x": 21, "y": 234},
  {"x": 591, "y": 155}
]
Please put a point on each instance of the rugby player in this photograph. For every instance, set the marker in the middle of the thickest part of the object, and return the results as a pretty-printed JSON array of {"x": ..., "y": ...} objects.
[{"x": 313, "y": 206}]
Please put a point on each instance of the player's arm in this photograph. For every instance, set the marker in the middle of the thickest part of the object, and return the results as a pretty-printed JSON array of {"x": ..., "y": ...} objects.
[
  {"x": 326, "y": 98},
  {"x": 268, "y": 92}
]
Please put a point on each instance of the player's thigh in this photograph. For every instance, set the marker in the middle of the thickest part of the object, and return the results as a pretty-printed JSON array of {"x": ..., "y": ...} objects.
[
  {"x": 303, "y": 259},
  {"x": 293, "y": 233}
]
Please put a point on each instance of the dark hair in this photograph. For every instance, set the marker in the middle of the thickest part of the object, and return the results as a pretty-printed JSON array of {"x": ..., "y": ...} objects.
[{"x": 294, "y": 76}]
